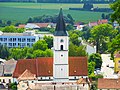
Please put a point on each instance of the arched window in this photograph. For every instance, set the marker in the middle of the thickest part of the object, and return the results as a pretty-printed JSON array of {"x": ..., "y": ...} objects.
[{"x": 61, "y": 47}]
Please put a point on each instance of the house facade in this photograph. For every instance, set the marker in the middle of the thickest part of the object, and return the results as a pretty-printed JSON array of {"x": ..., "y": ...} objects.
[
  {"x": 6, "y": 72},
  {"x": 117, "y": 62},
  {"x": 28, "y": 38}
]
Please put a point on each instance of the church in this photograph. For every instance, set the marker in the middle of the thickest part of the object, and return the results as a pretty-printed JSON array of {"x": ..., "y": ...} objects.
[{"x": 56, "y": 69}]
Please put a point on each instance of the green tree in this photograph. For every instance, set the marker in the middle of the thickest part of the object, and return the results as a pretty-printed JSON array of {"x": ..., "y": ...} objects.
[
  {"x": 86, "y": 33},
  {"x": 97, "y": 59},
  {"x": 51, "y": 30},
  {"x": 69, "y": 27},
  {"x": 13, "y": 86},
  {"x": 20, "y": 30},
  {"x": 9, "y": 23},
  {"x": 49, "y": 53},
  {"x": 9, "y": 29},
  {"x": 76, "y": 50},
  {"x": 30, "y": 20},
  {"x": 49, "y": 41},
  {"x": 40, "y": 45},
  {"x": 38, "y": 53},
  {"x": 114, "y": 45},
  {"x": 87, "y": 6},
  {"x": 0, "y": 21},
  {"x": 16, "y": 53},
  {"x": 116, "y": 14},
  {"x": 103, "y": 16},
  {"x": 74, "y": 39},
  {"x": 71, "y": 19},
  {"x": 91, "y": 68},
  {"x": 4, "y": 52},
  {"x": 101, "y": 34},
  {"x": 29, "y": 56}
]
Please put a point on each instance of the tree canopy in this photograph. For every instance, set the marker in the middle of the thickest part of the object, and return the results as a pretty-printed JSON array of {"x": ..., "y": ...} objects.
[
  {"x": 102, "y": 34},
  {"x": 116, "y": 14},
  {"x": 96, "y": 58},
  {"x": 114, "y": 45},
  {"x": 12, "y": 29},
  {"x": 4, "y": 52}
]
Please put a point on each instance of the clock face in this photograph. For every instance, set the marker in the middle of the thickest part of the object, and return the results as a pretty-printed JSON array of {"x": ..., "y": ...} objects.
[{"x": 61, "y": 40}]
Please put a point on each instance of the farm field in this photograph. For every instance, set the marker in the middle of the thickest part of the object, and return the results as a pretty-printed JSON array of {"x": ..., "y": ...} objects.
[{"x": 20, "y": 12}]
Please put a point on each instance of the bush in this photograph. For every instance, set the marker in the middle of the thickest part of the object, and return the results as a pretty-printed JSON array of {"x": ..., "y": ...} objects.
[
  {"x": 13, "y": 86},
  {"x": 87, "y": 6}
]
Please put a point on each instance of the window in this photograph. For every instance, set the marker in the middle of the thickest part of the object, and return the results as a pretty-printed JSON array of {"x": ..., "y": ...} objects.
[
  {"x": 14, "y": 44},
  {"x": 23, "y": 45},
  {"x": 119, "y": 61},
  {"x": 19, "y": 39},
  {"x": 28, "y": 40},
  {"x": 9, "y": 80},
  {"x": 28, "y": 44},
  {"x": 61, "y": 47},
  {"x": 14, "y": 39},
  {"x": 10, "y": 39},
  {"x": 23, "y": 39},
  {"x": 61, "y": 40},
  {"x": 10, "y": 44},
  {"x": 32, "y": 40},
  {"x": 5, "y": 39},
  {"x": 1, "y": 39},
  {"x": 3, "y": 80}
]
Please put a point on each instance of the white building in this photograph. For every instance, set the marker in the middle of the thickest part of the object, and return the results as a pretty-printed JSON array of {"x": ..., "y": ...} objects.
[
  {"x": 28, "y": 38},
  {"x": 60, "y": 63}
]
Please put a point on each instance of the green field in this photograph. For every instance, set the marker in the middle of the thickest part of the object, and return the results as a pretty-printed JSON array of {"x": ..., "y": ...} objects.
[{"x": 20, "y": 12}]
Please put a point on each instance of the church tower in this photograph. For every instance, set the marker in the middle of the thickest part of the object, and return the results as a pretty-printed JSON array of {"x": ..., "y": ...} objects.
[{"x": 60, "y": 64}]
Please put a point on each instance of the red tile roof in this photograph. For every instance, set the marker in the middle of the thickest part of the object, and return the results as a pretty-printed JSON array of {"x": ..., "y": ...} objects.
[
  {"x": 42, "y": 24},
  {"x": 102, "y": 21},
  {"x": 21, "y": 26},
  {"x": 93, "y": 24},
  {"x": 78, "y": 66},
  {"x": 108, "y": 83},
  {"x": 27, "y": 75},
  {"x": 44, "y": 66}
]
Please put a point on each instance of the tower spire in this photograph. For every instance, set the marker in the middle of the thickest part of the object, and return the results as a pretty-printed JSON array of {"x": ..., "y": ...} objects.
[{"x": 60, "y": 27}]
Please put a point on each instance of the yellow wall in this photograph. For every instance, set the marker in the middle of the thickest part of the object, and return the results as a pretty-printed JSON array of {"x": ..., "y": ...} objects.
[{"x": 117, "y": 64}]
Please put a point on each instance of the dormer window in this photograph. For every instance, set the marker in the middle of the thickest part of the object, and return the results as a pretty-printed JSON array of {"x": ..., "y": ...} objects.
[{"x": 61, "y": 40}]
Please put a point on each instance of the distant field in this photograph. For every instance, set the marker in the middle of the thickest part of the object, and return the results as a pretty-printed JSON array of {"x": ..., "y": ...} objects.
[{"x": 20, "y": 12}]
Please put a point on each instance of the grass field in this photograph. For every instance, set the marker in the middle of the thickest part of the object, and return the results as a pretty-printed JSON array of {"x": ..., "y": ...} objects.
[{"x": 20, "y": 12}]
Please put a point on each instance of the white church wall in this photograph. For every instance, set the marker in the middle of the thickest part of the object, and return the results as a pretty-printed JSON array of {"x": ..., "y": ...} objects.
[
  {"x": 61, "y": 71},
  {"x": 60, "y": 57},
  {"x": 58, "y": 43}
]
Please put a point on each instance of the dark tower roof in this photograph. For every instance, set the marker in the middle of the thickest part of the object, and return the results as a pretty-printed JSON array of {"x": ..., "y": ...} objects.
[{"x": 60, "y": 27}]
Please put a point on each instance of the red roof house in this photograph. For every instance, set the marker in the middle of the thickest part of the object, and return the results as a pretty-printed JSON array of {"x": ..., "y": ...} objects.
[{"x": 109, "y": 84}]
